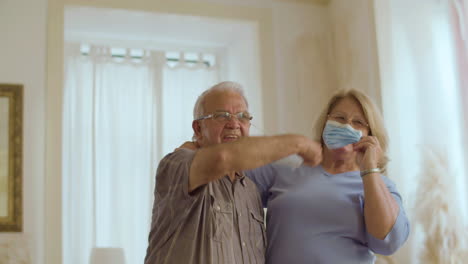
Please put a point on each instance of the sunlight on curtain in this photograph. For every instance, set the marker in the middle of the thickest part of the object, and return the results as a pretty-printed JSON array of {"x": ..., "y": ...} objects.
[
  {"x": 423, "y": 107},
  {"x": 460, "y": 26},
  {"x": 422, "y": 101},
  {"x": 78, "y": 200},
  {"x": 109, "y": 160},
  {"x": 450, "y": 112}
]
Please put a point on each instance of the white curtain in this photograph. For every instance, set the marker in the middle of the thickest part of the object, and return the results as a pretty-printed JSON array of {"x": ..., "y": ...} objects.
[
  {"x": 422, "y": 104},
  {"x": 78, "y": 227},
  {"x": 109, "y": 152},
  {"x": 121, "y": 115},
  {"x": 460, "y": 26}
]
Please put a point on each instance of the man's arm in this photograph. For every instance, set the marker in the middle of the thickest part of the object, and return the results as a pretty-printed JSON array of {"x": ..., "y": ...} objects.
[{"x": 213, "y": 162}]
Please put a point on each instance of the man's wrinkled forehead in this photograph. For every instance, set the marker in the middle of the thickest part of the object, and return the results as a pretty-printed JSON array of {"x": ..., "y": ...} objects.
[{"x": 221, "y": 100}]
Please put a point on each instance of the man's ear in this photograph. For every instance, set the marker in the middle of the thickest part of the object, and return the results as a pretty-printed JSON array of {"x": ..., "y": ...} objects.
[{"x": 196, "y": 129}]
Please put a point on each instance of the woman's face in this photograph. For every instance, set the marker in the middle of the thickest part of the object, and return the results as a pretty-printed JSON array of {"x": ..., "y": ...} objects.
[{"x": 349, "y": 111}]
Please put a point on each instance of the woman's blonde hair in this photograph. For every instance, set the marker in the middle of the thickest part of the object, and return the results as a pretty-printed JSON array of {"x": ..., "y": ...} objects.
[{"x": 371, "y": 113}]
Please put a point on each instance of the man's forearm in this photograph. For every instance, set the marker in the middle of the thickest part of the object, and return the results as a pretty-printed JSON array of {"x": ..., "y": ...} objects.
[
  {"x": 213, "y": 162},
  {"x": 252, "y": 152}
]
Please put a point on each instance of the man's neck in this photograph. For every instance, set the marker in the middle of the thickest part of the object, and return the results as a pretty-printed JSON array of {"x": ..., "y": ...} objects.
[{"x": 232, "y": 176}]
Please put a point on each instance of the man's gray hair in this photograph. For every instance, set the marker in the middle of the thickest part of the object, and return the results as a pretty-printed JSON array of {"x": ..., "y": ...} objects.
[{"x": 199, "y": 109}]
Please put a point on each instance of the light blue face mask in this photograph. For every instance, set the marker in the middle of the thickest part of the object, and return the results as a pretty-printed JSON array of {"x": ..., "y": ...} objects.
[{"x": 337, "y": 135}]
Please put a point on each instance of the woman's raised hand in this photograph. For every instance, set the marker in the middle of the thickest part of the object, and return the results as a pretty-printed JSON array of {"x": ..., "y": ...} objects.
[{"x": 369, "y": 153}]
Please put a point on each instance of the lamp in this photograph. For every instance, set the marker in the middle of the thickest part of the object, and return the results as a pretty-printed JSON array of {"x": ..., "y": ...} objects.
[{"x": 101, "y": 255}]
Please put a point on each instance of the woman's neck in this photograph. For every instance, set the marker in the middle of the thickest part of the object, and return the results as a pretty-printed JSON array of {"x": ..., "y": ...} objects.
[{"x": 334, "y": 166}]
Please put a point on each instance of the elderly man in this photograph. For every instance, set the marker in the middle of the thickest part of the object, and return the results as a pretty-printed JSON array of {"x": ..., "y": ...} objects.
[{"x": 205, "y": 210}]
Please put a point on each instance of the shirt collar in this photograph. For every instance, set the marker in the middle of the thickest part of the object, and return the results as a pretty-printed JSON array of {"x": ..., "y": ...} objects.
[{"x": 241, "y": 177}]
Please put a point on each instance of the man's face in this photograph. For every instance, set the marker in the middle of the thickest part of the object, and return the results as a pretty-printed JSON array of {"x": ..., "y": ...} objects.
[{"x": 210, "y": 131}]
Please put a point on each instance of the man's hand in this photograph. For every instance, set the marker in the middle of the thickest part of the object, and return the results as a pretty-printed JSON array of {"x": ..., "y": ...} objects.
[
  {"x": 193, "y": 145},
  {"x": 312, "y": 153}
]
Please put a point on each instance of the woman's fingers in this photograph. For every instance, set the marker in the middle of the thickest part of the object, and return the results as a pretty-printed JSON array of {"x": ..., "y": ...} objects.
[
  {"x": 365, "y": 142},
  {"x": 369, "y": 152}
]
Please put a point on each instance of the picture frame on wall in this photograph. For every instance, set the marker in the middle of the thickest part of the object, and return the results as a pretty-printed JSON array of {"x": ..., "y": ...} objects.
[{"x": 11, "y": 143}]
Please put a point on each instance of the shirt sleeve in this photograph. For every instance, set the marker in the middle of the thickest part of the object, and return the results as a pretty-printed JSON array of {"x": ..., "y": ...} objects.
[
  {"x": 264, "y": 178},
  {"x": 172, "y": 176},
  {"x": 399, "y": 232},
  {"x": 172, "y": 201}
]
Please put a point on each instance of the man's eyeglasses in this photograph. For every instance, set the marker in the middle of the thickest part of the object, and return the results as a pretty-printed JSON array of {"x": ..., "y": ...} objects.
[
  {"x": 223, "y": 117},
  {"x": 356, "y": 122}
]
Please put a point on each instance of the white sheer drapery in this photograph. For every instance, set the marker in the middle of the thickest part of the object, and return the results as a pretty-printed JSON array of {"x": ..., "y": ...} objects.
[
  {"x": 121, "y": 115},
  {"x": 108, "y": 145},
  {"x": 422, "y": 103},
  {"x": 460, "y": 25},
  {"x": 78, "y": 186}
]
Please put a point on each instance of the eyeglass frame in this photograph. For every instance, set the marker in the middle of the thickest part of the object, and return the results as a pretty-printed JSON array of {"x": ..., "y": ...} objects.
[
  {"x": 347, "y": 121},
  {"x": 227, "y": 115}
]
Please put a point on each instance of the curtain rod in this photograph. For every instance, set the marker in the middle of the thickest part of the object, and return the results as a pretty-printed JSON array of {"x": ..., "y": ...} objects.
[{"x": 207, "y": 63}]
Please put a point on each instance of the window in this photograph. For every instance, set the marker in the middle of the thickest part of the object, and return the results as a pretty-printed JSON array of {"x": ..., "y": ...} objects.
[
  {"x": 124, "y": 109},
  {"x": 154, "y": 66}
]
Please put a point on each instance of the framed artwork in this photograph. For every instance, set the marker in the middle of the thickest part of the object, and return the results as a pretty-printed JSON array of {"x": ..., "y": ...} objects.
[{"x": 11, "y": 142}]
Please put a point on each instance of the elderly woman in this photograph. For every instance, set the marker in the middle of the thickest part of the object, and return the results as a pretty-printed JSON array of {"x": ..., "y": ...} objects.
[{"x": 344, "y": 210}]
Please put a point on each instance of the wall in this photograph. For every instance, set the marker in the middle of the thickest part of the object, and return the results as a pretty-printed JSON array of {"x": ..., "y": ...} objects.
[
  {"x": 318, "y": 49},
  {"x": 355, "y": 46},
  {"x": 23, "y": 53},
  {"x": 304, "y": 73}
]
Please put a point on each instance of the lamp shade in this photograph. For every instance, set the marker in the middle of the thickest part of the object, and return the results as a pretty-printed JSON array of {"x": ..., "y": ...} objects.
[{"x": 107, "y": 256}]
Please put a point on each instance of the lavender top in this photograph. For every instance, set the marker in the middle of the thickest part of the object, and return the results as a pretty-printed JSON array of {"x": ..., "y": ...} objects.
[{"x": 317, "y": 217}]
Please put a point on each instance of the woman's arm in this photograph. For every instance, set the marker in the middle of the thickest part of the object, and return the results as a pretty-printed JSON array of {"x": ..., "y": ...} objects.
[
  {"x": 386, "y": 221},
  {"x": 399, "y": 231},
  {"x": 380, "y": 208}
]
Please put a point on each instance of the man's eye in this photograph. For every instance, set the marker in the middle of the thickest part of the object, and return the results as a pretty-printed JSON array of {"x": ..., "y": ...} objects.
[
  {"x": 221, "y": 115},
  {"x": 246, "y": 116}
]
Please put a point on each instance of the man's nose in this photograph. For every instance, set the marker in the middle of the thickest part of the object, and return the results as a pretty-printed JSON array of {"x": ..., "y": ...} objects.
[{"x": 233, "y": 122}]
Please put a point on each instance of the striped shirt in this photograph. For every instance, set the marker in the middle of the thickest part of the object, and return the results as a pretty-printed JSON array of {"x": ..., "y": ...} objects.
[{"x": 220, "y": 222}]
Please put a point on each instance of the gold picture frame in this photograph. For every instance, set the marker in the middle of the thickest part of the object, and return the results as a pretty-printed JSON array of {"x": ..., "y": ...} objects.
[{"x": 11, "y": 152}]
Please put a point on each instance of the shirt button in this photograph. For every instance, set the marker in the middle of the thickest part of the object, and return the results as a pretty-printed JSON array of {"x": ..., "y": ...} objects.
[
  {"x": 240, "y": 214},
  {"x": 218, "y": 208},
  {"x": 243, "y": 244}
]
